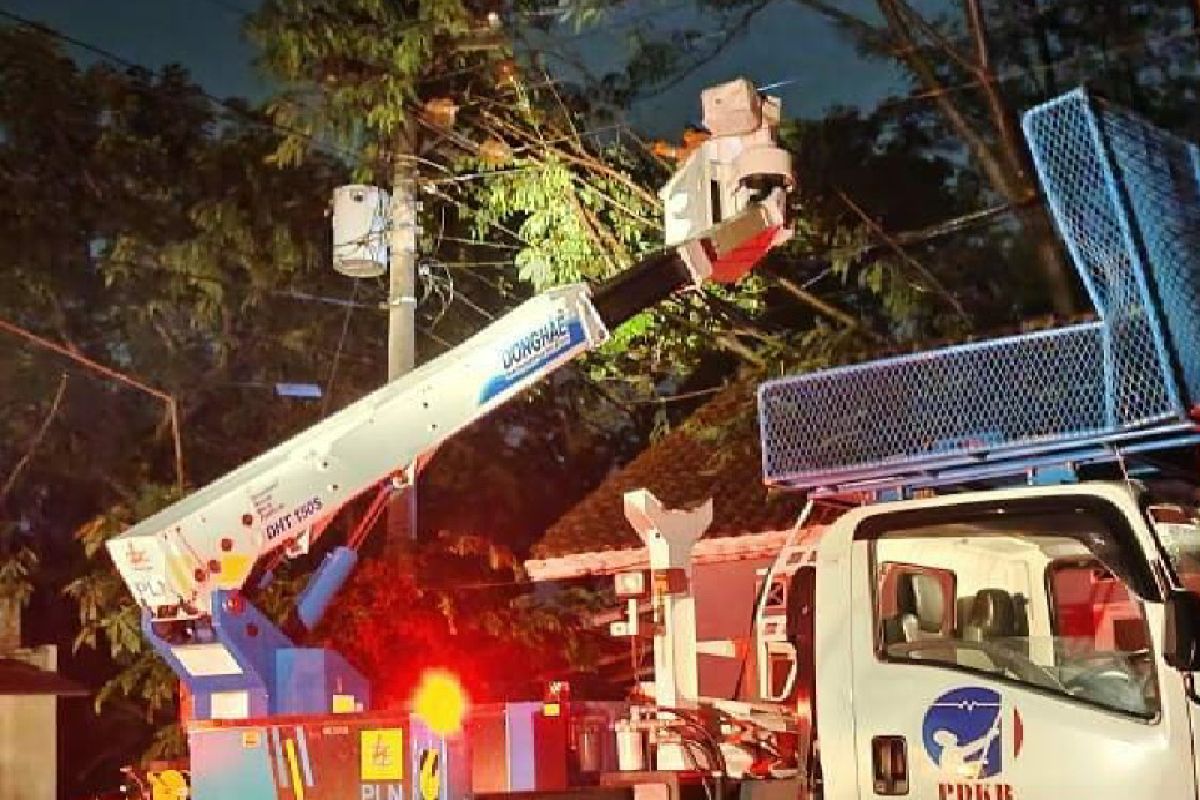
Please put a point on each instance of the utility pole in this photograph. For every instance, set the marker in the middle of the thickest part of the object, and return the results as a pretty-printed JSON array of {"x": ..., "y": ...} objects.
[
  {"x": 402, "y": 309},
  {"x": 402, "y": 277},
  {"x": 370, "y": 240}
]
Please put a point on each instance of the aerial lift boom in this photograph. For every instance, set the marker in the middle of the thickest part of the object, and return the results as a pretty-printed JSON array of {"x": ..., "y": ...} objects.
[{"x": 188, "y": 565}]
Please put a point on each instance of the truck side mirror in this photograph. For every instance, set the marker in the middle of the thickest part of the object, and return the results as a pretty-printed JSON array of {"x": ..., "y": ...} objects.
[{"x": 1181, "y": 647}]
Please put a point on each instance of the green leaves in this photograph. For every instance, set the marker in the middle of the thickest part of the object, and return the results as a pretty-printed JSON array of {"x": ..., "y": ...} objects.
[
  {"x": 107, "y": 614},
  {"x": 356, "y": 66},
  {"x": 17, "y": 569}
]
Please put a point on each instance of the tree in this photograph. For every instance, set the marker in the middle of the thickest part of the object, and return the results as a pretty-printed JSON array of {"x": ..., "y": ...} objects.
[
  {"x": 947, "y": 56},
  {"x": 973, "y": 67},
  {"x": 506, "y": 151},
  {"x": 183, "y": 242},
  {"x": 146, "y": 232}
]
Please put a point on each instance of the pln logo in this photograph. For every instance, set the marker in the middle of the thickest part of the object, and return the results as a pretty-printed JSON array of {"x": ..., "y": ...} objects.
[
  {"x": 968, "y": 733},
  {"x": 382, "y": 755},
  {"x": 137, "y": 559}
]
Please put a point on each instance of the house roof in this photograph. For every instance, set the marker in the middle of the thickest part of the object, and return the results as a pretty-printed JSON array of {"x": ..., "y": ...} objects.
[
  {"x": 20, "y": 678},
  {"x": 715, "y": 453}
]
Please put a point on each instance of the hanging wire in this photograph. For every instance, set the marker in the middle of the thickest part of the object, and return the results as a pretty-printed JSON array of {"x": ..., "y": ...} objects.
[
  {"x": 337, "y": 355},
  {"x": 230, "y": 8},
  {"x": 1020, "y": 72},
  {"x": 474, "y": 264},
  {"x": 480, "y": 243}
]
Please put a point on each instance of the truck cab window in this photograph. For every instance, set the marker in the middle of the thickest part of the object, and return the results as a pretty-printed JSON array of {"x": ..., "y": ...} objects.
[
  {"x": 1175, "y": 519},
  {"x": 915, "y": 602},
  {"x": 1023, "y": 597}
]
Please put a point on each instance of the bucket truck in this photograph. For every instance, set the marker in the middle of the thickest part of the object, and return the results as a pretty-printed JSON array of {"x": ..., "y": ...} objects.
[
  {"x": 993, "y": 593},
  {"x": 188, "y": 566}
]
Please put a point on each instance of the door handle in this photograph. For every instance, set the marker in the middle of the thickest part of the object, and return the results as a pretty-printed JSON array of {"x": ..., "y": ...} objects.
[{"x": 889, "y": 765}]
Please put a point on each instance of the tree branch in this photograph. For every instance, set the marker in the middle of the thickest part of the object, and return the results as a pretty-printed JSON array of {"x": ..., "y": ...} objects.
[
  {"x": 924, "y": 71},
  {"x": 724, "y": 341},
  {"x": 612, "y": 201},
  {"x": 731, "y": 33},
  {"x": 167, "y": 399},
  {"x": 920, "y": 268},
  {"x": 875, "y": 36},
  {"x": 740, "y": 323},
  {"x": 937, "y": 37},
  {"x": 817, "y": 304},
  {"x": 1001, "y": 119},
  {"x": 595, "y": 231},
  {"x": 587, "y": 162},
  {"x": 23, "y": 462}
]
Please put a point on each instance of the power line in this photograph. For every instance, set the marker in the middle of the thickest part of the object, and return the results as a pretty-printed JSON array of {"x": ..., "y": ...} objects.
[
  {"x": 490, "y": 173},
  {"x": 166, "y": 398},
  {"x": 350, "y": 305},
  {"x": 289, "y": 293},
  {"x": 474, "y": 264},
  {"x": 479, "y": 243},
  {"x": 439, "y": 339},
  {"x": 333, "y": 301},
  {"x": 1014, "y": 74},
  {"x": 491, "y": 223},
  {"x": 495, "y": 286},
  {"x": 292, "y": 294},
  {"x": 246, "y": 14},
  {"x": 230, "y": 8},
  {"x": 337, "y": 355},
  {"x": 478, "y": 309},
  {"x": 248, "y": 115},
  {"x": 628, "y": 22},
  {"x": 256, "y": 120}
]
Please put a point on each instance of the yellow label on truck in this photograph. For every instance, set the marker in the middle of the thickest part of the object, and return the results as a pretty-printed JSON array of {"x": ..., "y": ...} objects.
[{"x": 382, "y": 755}]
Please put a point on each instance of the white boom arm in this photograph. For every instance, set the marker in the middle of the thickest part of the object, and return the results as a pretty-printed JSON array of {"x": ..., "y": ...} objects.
[{"x": 213, "y": 539}]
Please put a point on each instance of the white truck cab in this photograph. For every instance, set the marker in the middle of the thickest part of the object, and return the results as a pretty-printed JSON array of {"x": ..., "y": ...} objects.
[{"x": 991, "y": 645}]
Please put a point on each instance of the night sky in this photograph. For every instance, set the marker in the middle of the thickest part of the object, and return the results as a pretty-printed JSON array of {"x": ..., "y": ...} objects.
[
  {"x": 203, "y": 36},
  {"x": 784, "y": 43}
]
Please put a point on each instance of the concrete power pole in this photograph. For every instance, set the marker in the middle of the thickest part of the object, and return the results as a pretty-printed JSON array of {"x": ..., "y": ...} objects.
[
  {"x": 360, "y": 226},
  {"x": 402, "y": 274},
  {"x": 402, "y": 314}
]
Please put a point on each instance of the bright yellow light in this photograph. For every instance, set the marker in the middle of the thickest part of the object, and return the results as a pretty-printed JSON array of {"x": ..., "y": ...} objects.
[{"x": 440, "y": 701}]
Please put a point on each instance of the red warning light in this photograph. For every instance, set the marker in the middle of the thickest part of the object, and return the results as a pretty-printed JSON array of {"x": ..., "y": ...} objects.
[{"x": 440, "y": 701}]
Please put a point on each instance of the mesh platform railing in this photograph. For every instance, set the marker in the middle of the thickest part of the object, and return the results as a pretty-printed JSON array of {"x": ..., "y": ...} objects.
[
  {"x": 1148, "y": 213},
  {"x": 1126, "y": 200}
]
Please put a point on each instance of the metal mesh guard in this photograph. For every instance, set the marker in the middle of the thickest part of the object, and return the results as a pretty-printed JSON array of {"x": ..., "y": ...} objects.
[
  {"x": 941, "y": 406},
  {"x": 1123, "y": 203}
]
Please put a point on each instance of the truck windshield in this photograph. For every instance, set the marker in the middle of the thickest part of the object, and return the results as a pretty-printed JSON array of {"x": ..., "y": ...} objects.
[{"x": 1036, "y": 594}]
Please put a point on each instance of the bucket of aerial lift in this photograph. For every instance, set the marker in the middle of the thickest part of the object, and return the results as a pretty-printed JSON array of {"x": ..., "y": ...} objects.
[{"x": 737, "y": 162}]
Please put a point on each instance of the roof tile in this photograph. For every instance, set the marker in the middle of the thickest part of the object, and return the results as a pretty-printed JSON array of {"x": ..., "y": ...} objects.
[{"x": 715, "y": 453}]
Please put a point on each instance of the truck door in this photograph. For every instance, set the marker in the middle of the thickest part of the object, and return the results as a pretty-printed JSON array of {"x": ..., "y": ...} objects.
[{"x": 1008, "y": 650}]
